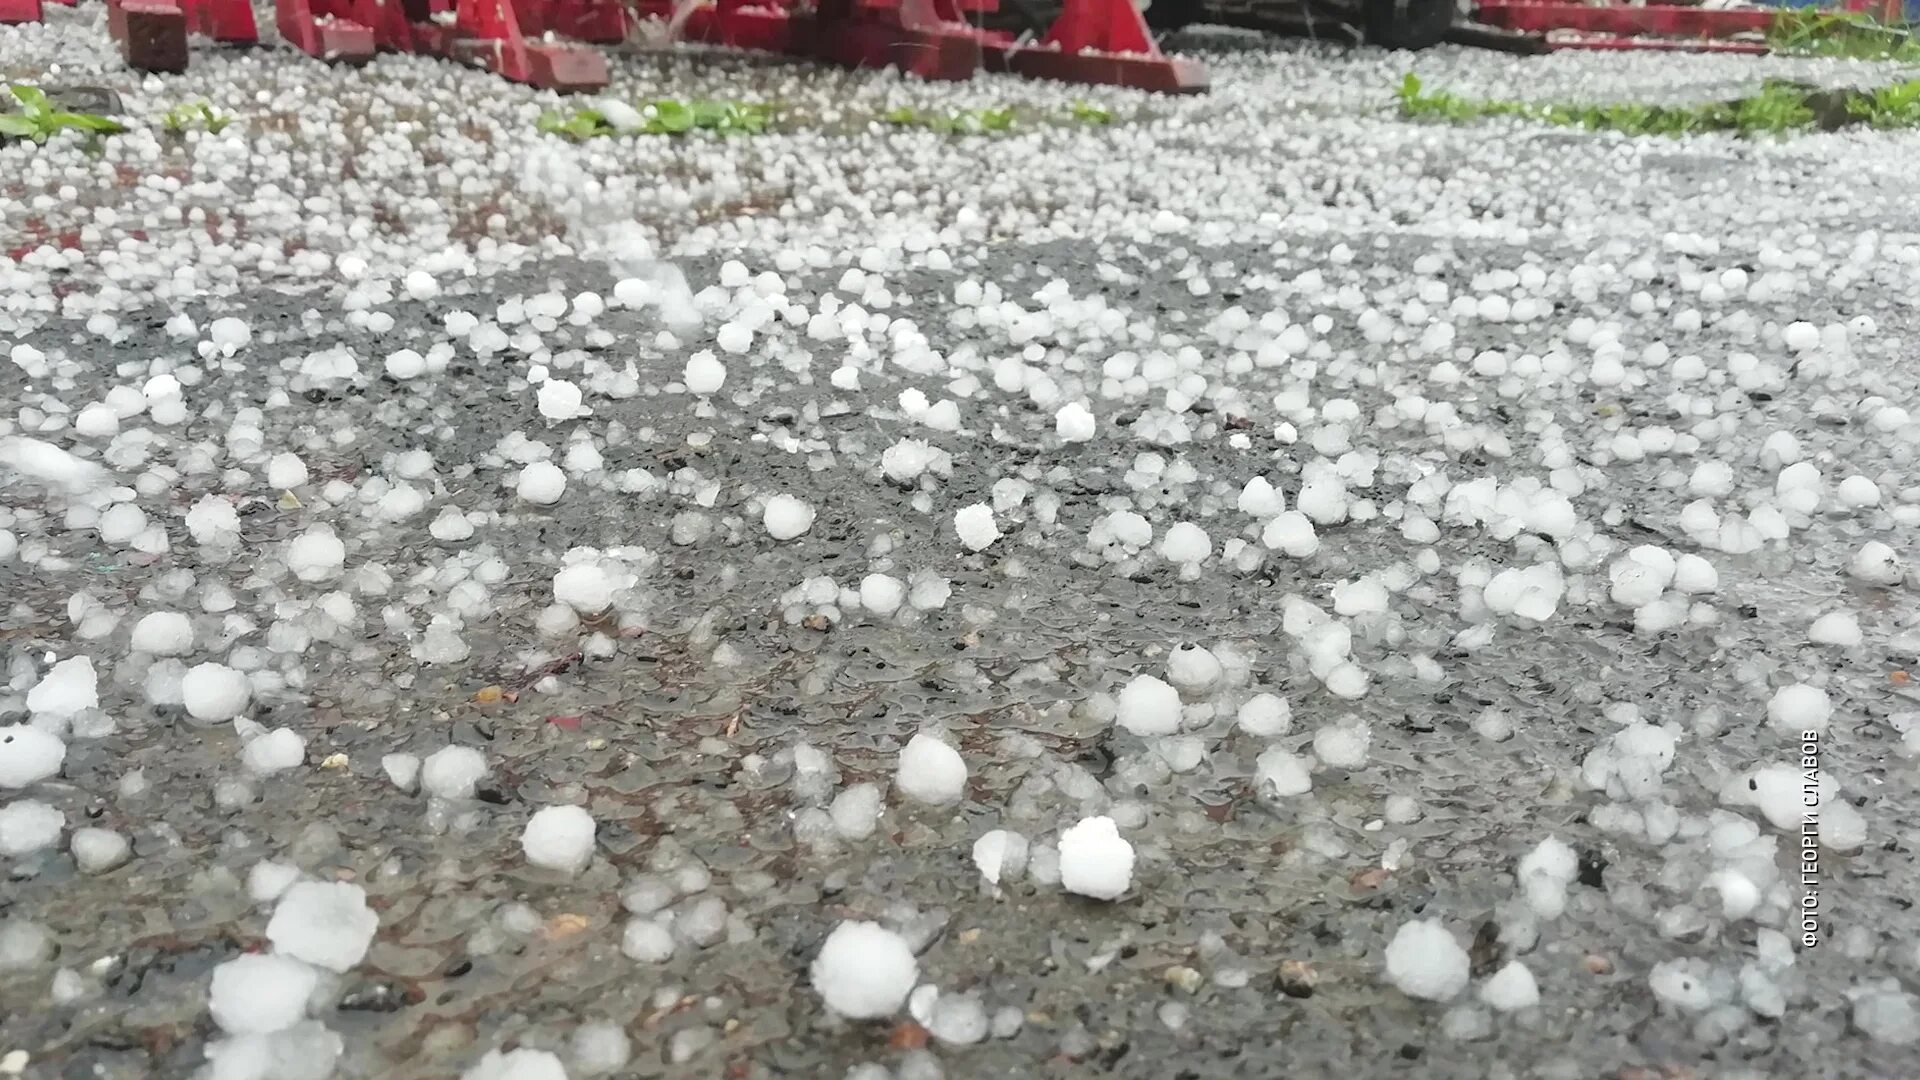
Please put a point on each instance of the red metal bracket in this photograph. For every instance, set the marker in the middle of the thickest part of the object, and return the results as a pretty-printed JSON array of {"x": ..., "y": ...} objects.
[
  {"x": 513, "y": 38},
  {"x": 1539, "y": 16},
  {"x": 20, "y": 11}
]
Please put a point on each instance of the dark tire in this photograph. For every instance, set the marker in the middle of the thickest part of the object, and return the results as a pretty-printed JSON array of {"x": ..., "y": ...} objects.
[
  {"x": 1407, "y": 24},
  {"x": 1170, "y": 15}
]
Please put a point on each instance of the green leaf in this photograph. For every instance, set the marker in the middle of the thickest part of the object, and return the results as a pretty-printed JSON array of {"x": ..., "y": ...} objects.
[
  {"x": 103, "y": 125},
  {"x": 13, "y": 125},
  {"x": 33, "y": 101},
  {"x": 902, "y": 115},
  {"x": 675, "y": 117},
  {"x": 997, "y": 119}
]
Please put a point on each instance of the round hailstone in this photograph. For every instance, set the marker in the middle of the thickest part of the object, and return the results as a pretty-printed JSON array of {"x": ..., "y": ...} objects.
[
  {"x": 1073, "y": 423},
  {"x": 585, "y": 587},
  {"x": 705, "y": 374},
  {"x": 259, "y": 994},
  {"x": 558, "y": 400},
  {"x": 786, "y": 517},
  {"x": 1148, "y": 706},
  {"x": 1424, "y": 961},
  {"x": 559, "y": 838},
  {"x": 1797, "y": 708},
  {"x": 453, "y": 772},
  {"x": 1265, "y": 715},
  {"x": 882, "y": 594},
  {"x": 1185, "y": 544},
  {"x": 163, "y": 633},
  {"x": 325, "y": 923},
  {"x": 405, "y": 364},
  {"x": 931, "y": 771},
  {"x": 999, "y": 853},
  {"x": 69, "y": 688},
  {"x": 1193, "y": 669},
  {"x": 522, "y": 1064},
  {"x": 28, "y": 755},
  {"x": 97, "y": 851},
  {"x": 1511, "y": 988},
  {"x": 286, "y": 471},
  {"x": 864, "y": 971},
  {"x": 317, "y": 554},
  {"x": 215, "y": 693},
  {"x": 28, "y": 826},
  {"x": 1281, "y": 772},
  {"x": 275, "y": 751},
  {"x": 734, "y": 337},
  {"x": 421, "y": 286},
  {"x": 975, "y": 527},
  {"x": 1877, "y": 564},
  {"x": 541, "y": 483},
  {"x": 1095, "y": 860}
]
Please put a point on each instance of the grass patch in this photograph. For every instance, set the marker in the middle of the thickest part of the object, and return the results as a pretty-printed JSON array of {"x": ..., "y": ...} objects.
[
  {"x": 988, "y": 121},
  {"x": 38, "y": 118},
  {"x": 195, "y": 114},
  {"x": 663, "y": 117},
  {"x": 1780, "y": 107},
  {"x": 1846, "y": 34}
]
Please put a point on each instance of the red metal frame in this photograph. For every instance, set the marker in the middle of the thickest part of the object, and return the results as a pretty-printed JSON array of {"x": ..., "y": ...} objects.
[
  {"x": 512, "y": 38},
  {"x": 152, "y": 34},
  {"x": 1539, "y": 16},
  {"x": 20, "y": 11},
  {"x": 1092, "y": 41}
]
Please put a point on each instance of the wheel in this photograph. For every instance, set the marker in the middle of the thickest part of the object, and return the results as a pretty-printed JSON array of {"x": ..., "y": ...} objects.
[
  {"x": 1166, "y": 15},
  {"x": 1407, "y": 24}
]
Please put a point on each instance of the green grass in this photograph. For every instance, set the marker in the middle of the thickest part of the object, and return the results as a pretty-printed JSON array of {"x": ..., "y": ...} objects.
[
  {"x": 663, "y": 117},
  {"x": 38, "y": 119},
  {"x": 194, "y": 114},
  {"x": 1778, "y": 108},
  {"x": 1846, "y": 34}
]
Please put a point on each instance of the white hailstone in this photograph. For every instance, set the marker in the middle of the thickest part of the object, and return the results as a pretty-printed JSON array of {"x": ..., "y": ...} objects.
[
  {"x": 1694, "y": 575},
  {"x": 1797, "y": 708},
  {"x": 855, "y": 812},
  {"x": 975, "y": 526},
  {"x": 1073, "y": 423},
  {"x": 164, "y": 633},
  {"x": 734, "y": 337},
  {"x": 28, "y": 755},
  {"x": 274, "y": 751},
  {"x": 705, "y": 374},
  {"x": 1877, "y": 564},
  {"x": 881, "y": 594},
  {"x": 260, "y": 993},
  {"x": 521, "y": 1064},
  {"x": 1886, "y": 1014},
  {"x": 1681, "y": 984},
  {"x": 559, "y": 838},
  {"x": 1147, "y": 706},
  {"x": 600, "y": 1047},
  {"x": 453, "y": 772},
  {"x": 1265, "y": 716},
  {"x": 1281, "y": 772},
  {"x": 1291, "y": 534},
  {"x": 215, "y": 693},
  {"x": 1801, "y": 337},
  {"x": 405, "y": 364},
  {"x": 930, "y": 771},
  {"x": 30, "y": 360},
  {"x": 647, "y": 941},
  {"x": 1857, "y": 491},
  {"x": 47, "y": 463},
  {"x": 96, "y": 851},
  {"x": 1510, "y": 989},
  {"x": 1260, "y": 499},
  {"x": 403, "y": 770},
  {"x": 268, "y": 879},
  {"x": 69, "y": 688},
  {"x": 1738, "y": 894},
  {"x": 1531, "y": 592},
  {"x": 1095, "y": 860},
  {"x": 1424, "y": 961},
  {"x": 1186, "y": 544},
  {"x": 229, "y": 334},
  {"x": 786, "y": 517},
  {"x": 1544, "y": 874},
  {"x": 1840, "y": 628},
  {"x": 558, "y": 400},
  {"x": 1641, "y": 575},
  {"x": 317, "y": 554},
  {"x": 585, "y": 587},
  {"x": 421, "y": 286},
  {"x": 1343, "y": 745},
  {"x": 864, "y": 971},
  {"x": 325, "y": 923},
  {"x": 27, "y": 826},
  {"x": 1193, "y": 670},
  {"x": 541, "y": 483},
  {"x": 999, "y": 854},
  {"x": 450, "y": 526}
]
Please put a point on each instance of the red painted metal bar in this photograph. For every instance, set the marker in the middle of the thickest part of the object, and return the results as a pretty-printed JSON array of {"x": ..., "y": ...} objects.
[
  {"x": 1646, "y": 44},
  {"x": 152, "y": 34},
  {"x": 20, "y": 11},
  {"x": 1655, "y": 19}
]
